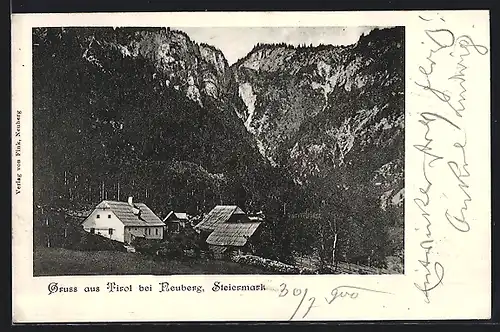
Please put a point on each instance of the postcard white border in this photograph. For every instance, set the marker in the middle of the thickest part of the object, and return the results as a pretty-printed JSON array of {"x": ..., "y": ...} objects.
[{"x": 465, "y": 292}]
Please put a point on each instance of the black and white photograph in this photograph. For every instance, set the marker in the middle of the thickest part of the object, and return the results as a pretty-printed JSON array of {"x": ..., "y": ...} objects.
[
  {"x": 224, "y": 150},
  {"x": 288, "y": 166}
]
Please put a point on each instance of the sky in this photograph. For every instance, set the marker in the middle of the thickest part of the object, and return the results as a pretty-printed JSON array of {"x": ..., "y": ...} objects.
[{"x": 236, "y": 42}]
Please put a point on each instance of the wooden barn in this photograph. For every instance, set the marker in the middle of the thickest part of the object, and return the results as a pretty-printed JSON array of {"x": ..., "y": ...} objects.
[
  {"x": 124, "y": 221},
  {"x": 218, "y": 215},
  {"x": 175, "y": 222},
  {"x": 228, "y": 230}
]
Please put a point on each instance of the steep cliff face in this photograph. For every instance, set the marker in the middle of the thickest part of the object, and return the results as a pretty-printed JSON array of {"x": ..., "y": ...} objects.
[
  {"x": 198, "y": 70},
  {"x": 330, "y": 111}
]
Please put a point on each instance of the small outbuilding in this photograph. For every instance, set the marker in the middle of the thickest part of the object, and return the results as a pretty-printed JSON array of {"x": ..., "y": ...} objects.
[{"x": 175, "y": 221}]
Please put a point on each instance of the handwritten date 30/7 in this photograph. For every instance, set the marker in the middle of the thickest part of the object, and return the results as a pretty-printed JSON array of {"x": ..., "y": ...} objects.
[
  {"x": 443, "y": 150},
  {"x": 337, "y": 293}
]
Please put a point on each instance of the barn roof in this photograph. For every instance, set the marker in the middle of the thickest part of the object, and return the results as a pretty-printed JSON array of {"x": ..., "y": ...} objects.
[
  {"x": 219, "y": 214},
  {"x": 125, "y": 213},
  {"x": 232, "y": 233},
  {"x": 177, "y": 215}
]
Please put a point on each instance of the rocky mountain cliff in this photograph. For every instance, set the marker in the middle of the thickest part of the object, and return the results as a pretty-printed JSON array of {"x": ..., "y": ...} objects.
[{"x": 330, "y": 110}]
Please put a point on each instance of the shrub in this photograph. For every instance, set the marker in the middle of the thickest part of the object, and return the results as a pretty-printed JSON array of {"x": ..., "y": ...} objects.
[
  {"x": 175, "y": 246},
  {"x": 170, "y": 249},
  {"x": 146, "y": 246}
]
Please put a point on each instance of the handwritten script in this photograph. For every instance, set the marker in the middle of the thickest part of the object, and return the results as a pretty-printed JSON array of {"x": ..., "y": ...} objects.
[
  {"x": 443, "y": 147},
  {"x": 307, "y": 302}
]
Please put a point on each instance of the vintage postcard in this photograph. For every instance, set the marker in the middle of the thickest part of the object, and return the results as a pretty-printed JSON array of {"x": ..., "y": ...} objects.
[{"x": 251, "y": 166}]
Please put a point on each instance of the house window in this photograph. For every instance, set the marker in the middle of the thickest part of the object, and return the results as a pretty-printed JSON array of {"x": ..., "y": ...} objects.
[
  {"x": 156, "y": 231},
  {"x": 145, "y": 229},
  {"x": 92, "y": 230},
  {"x": 98, "y": 216},
  {"x": 109, "y": 216},
  {"x": 110, "y": 231}
]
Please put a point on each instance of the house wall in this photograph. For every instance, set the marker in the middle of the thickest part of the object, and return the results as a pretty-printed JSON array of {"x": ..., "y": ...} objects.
[
  {"x": 131, "y": 232},
  {"x": 152, "y": 232},
  {"x": 101, "y": 221},
  {"x": 175, "y": 226},
  {"x": 218, "y": 252},
  {"x": 172, "y": 227}
]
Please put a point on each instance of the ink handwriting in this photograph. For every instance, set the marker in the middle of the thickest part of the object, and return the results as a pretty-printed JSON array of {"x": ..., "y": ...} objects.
[
  {"x": 306, "y": 302},
  {"x": 459, "y": 47},
  {"x": 444, "y": 75}
]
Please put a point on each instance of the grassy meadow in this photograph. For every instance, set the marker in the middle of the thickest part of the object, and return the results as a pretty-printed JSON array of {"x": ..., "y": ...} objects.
[{"x": 59, "y": 261}]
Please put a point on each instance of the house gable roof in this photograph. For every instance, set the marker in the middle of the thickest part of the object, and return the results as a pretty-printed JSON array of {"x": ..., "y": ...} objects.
[
  {"x": 219, "y": 214},
  {"x": 232, "y": 233},
  {"x": 124, "y": 212},
  {"x": 175, "y": 215}
]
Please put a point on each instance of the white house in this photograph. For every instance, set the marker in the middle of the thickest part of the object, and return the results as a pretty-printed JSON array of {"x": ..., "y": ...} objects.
[{"x": 124, "y": 221}]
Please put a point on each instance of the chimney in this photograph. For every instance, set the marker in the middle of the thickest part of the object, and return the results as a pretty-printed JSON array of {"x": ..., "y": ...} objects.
[{"x": 130, "y": 201}]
